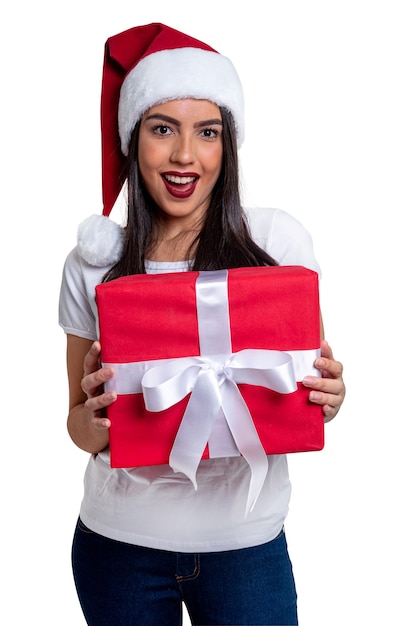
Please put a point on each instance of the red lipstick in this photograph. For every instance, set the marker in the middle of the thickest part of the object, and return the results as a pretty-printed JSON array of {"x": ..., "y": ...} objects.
[{"x": 180, "y": 184}]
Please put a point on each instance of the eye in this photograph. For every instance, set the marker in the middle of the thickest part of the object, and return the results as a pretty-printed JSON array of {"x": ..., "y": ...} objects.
[
  {"x": 161, "y": 129},
  {"x": 210, "y": 133}
]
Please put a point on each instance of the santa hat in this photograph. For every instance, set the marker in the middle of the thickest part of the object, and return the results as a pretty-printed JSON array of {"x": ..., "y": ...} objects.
[{"x": 145, "y": 66}]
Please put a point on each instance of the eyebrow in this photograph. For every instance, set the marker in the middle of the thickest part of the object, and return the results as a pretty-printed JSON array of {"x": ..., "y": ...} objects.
[{"x": 172, "y": 120}]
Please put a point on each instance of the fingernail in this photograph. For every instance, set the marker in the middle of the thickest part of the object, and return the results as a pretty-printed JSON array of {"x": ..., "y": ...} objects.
[{"x": 308, "y": 381}]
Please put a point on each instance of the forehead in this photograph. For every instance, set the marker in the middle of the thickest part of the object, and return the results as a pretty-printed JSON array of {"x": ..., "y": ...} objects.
[{"x": 186, "y": 108}]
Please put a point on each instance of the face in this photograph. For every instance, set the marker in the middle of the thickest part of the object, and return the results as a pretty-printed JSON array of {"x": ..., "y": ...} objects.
[{"x": 180, "y": 158}]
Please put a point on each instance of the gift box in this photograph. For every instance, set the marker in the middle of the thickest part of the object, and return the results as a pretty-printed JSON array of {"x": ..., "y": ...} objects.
[{"x": 210, "y": 364}]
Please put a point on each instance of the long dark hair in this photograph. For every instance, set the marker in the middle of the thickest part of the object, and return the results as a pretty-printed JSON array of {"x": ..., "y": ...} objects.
[{"x": 224, "y": 240}]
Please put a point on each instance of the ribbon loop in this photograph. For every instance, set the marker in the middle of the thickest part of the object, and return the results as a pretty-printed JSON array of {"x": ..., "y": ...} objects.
[{"x": 168, "y": 383}]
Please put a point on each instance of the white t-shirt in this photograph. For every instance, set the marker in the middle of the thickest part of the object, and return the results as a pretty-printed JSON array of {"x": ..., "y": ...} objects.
[{"x": 153, "y": 506}]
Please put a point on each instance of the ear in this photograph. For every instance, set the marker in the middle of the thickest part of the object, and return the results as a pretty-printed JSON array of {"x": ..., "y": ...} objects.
[{"x": 100, "y": 240}]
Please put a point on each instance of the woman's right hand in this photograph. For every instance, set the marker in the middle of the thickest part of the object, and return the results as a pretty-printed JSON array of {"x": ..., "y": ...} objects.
[
  {"x": 87, "y": 423},
  {"x": 92, "y": 383}
]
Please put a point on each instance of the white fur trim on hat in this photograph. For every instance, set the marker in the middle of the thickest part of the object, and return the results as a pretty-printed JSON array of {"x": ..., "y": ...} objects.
[
  {"x": 175, "y": 74},
  {"x": 100, "y": 241}
]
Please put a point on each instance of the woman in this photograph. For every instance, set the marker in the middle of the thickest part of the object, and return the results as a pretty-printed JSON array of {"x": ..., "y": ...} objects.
[{"x": 146, "y": 540}]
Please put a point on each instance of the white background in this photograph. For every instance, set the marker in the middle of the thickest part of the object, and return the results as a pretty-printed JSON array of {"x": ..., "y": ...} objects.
[{"x": 332, "y": 137}]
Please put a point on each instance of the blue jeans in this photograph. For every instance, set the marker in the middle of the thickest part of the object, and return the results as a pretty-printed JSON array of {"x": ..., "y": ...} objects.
[{"x": 119, "y": 584}]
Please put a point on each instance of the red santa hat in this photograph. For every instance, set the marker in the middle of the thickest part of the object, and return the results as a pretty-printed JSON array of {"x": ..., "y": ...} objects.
[{"x": 148, "y": 65}]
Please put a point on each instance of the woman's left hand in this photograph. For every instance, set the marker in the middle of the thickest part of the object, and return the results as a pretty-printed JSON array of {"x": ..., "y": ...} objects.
[{"x": 327, "y": 390}]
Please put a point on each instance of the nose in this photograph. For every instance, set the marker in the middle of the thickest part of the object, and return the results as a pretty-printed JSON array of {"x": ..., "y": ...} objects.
[{"x": 183, "y": 150}]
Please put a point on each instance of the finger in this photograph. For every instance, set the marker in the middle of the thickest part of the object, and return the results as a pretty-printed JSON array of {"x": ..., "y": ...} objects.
[
  {"x": 91, "y": 383},
  {"x": 323, "y": 398},
  {"x": 100, "y": 422},
  {"x": 329, "y": 412},
  {"x": 330, "y": 403},
  {"x": 329, "y": 367},
  {"x": 332, "y": 386},
  {"x": 326, "y": 350},
  {"x": 98, "y": 403},
  {"x": 92, "y": 358}
]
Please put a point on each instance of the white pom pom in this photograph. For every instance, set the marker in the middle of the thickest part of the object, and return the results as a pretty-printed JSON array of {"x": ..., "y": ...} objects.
[{"x": 100, "y": 240}]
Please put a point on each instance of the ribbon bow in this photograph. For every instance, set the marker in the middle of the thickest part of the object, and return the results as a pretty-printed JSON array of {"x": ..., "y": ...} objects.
[{"x": 212, "y": 381}]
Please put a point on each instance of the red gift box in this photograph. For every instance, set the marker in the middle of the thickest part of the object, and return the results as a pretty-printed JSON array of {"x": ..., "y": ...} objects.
[{"x": 224, "y": 343}]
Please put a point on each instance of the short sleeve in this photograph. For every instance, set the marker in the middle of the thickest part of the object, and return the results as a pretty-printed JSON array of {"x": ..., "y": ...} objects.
[
  {"x": 77, "y": 309},
  {"x": 283, "y": 237}
]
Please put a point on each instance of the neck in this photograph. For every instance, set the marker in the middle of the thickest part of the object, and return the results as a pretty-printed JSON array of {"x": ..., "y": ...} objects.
[{"x": 179, "y": 247}]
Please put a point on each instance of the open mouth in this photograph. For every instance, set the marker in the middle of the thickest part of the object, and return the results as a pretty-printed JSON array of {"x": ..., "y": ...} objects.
[{"x": 180, "y": 186}]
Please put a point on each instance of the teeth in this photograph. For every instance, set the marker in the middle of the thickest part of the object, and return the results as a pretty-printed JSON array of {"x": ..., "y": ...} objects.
[{"x": 180, "y": 180}]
